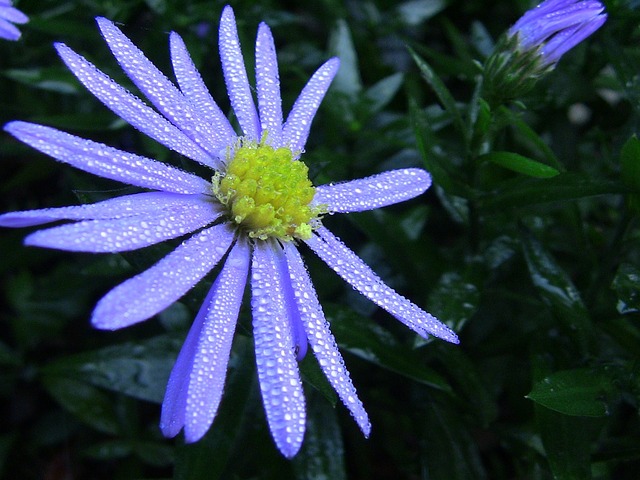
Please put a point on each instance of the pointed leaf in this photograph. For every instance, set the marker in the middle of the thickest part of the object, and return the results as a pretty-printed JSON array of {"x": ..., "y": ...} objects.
[
  {"x": 520, "y": 164},
  {"x": 581, "y": 392}
]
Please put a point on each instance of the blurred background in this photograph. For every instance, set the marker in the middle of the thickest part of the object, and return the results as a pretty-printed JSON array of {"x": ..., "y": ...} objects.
[{"x": 538, "y": 271}]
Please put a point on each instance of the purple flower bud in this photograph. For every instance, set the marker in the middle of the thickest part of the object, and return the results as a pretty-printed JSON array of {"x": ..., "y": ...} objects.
[{"x": 556, "y": 26}]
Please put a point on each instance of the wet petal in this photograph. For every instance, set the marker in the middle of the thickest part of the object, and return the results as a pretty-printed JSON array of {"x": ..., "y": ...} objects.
[
  {"x": 321, "y": 339},
  {"x": 130, "y": 107},
  {"x": 296, "y": 128},
  {"x": 125, "y": 206},
  {"x": 105, "y": 161},
  {"x": 358, "y": 274},
  {"x": 373, "y": 192},
  {"x": 206, "y": 380},
  {"x": 268, "y": 86},
  {"x": 194, "y": 89},
  {"x": 197, "y": 380},
  {"x": 158, "y": 88},
  {"x": 235, "y": 76},
  {"x": 150, "y": 292},
  {"x": 128, "y": 233},
  {"x": 278, "y": 373}
]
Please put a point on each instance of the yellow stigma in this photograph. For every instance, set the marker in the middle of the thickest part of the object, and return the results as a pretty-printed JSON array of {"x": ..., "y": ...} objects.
[{"x": 267, "y": 192}]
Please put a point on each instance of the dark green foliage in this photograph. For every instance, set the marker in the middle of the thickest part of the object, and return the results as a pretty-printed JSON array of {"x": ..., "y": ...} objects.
[{"x": 528, "y": 245}]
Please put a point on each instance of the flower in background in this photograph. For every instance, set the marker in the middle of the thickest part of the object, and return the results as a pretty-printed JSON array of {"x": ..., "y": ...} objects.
[
  {"x": 535, "y": 43},
  {"x": 251, "y": 214},
  {"x": 8, "y": 16},
  {"x": 556, "y": 26}
]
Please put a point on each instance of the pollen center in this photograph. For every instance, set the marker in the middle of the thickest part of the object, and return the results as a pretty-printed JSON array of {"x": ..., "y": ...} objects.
[{"x": 267, "y": 192}]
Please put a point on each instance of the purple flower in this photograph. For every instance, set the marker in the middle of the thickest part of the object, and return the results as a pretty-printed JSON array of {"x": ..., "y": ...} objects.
[
  {"x": 8, "y": 16},
  {"x": 556, "y": 26},
  {"x": 251, "y": 214}
]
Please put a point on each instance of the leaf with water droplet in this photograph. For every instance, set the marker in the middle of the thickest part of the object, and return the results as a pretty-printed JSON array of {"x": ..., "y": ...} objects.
[
  {"x": 367, "y": 340},
  {"x": 626, "y": 284},
  {"x": 556, "y": 289},
  {"x": 138, "y": 369},
  {"x": 581, "y": 392}
]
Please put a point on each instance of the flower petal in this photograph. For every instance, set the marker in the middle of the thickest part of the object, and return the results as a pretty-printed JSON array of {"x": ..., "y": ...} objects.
[
  {"x": 150, "y": 292},
  {"x": 130, "y": 107},
  {"x": 131, "y": 232},
  {"x": 207, "y": 376},
  {"x": 105, "y": 161},
  {"x": 268, "y": 86},
  {"x": 358, "y": 274},
  {"x": 194, "y": 89},
  {"x": 158, "y": 88},
  {"x": 296, "y": 129},
  {"x": 321, "y": 339},
  {"x": 373, "y": 192},
  {"x": 13, "y": 15},
  {"x": 197, "y": 379},
  {"x": 9, "y": 31},
  {"x": 126, "y": 206},
  {"x": 235, "y": 76},
  {"x": 278, "y": 373}
]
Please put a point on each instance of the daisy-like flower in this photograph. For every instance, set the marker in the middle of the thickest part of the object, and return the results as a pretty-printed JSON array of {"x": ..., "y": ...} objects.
[
  {"x": 8, "y": 16},
  {"x": 556, "y": 26},
  {"x": 253, "y": 211}
]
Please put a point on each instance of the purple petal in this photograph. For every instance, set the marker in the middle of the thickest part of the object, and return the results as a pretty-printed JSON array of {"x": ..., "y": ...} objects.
[
  {"x": 163, "y": 94},
  {"x": 194, "y": 89},
  {"x": 107, "y": 162},
  {"x": 358, "y": 274},
  {"x": 235, "y": 76},
  {"x": 268, "y": 86},
  {"x": 207, "y": 376},
  {"x": 197, "y": 379},
  {"x": 130, "y": 107},
  {"x": 150, "y": 292},
  {"x": 13, "y": 15},
  {"x": 299, "y": 341},
  {"x": 125, "y": 206},
  {"x": 296, "y": 128},
  {"x": 564, "y": 41},
  {"x": 278, "y": 374},
  {"x": 373, "y": 192},
  {"x": 129, "y": 233},
  {"x": 321, "y": 339},
  {"x": 8, "y": 31}
]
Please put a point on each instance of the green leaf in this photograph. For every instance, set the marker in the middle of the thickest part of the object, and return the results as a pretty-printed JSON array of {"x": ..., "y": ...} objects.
[
  {"x": 442, "y": 92},
  {"x": 363, "y": 338},
  {"x": 85, "y": 401},
  {"x": 626, "y": 284},
  {"x": 381, "y": 93},
  {"x": 567, "y": 443},
  {"x": 581, "y": 392},
  {"x": 138, "y": 369},
  {"x": 453, "y": 300},
  {"x": 436, "y": 164},
  {"x": 415, "y": 12},
  {"x": 536, "y": 191},
  {"x": 514, "y": 119},
  {"x": 556, "y": 289},
  {"x": 520, "y": 164},
  {"x": 322, "y": 453},
  {"x": 347, "y": 80},
  {"x": 446, "y": 444}
]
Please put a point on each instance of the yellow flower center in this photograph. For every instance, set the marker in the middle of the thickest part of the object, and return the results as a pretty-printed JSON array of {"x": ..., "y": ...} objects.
[{"x": 267, "y": 192}]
